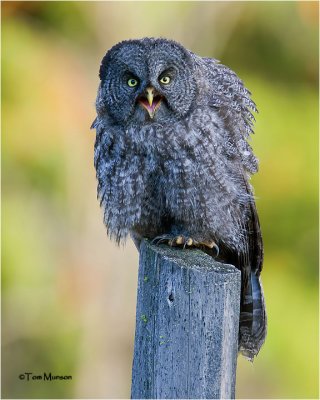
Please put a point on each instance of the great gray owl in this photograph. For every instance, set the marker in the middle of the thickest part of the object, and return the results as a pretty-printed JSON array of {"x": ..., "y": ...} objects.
[{"x": 173, "y": 162}]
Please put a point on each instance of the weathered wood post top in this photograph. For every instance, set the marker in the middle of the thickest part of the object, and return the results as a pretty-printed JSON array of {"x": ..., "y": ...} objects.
[{"x": 187, "y": 325}]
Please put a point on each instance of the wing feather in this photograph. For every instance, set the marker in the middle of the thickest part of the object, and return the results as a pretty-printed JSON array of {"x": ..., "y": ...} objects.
[{"x": 226, "y": 93}]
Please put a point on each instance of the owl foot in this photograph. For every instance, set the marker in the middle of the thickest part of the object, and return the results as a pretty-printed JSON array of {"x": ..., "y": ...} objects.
[
  {"x": 185, "y": 241},
  {"x": 175, "y": 241},
  {"x": 181, "y": 241}
]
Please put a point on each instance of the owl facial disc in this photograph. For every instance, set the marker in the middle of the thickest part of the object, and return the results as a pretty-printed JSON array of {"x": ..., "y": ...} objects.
[{"x": 150, "y": 100}]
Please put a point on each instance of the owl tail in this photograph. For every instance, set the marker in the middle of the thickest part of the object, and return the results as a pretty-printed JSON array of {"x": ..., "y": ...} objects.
[{"x": 253, "y": 319}]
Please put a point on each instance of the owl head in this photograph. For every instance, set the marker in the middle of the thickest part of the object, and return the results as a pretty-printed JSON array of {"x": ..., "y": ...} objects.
[{"x": 146, "y": 80}]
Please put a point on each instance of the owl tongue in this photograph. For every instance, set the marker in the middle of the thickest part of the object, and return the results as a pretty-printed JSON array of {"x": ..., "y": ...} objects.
[{"x": 150, "y": 102}]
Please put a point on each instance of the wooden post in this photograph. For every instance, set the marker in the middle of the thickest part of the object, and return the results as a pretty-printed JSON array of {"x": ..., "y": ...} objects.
[{"x": 187, "y": 324}]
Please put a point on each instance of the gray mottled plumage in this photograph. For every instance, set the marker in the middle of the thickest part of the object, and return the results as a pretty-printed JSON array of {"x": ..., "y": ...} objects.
[{"x": 186, "y": 170}]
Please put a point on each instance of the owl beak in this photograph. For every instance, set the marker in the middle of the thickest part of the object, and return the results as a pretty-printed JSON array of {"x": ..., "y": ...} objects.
[
  {"x": 150, "y": 101},
  {"x": 150, "y": 95}
]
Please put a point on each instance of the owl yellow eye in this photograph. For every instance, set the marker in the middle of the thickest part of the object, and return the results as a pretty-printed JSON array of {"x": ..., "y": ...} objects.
[
  {"x": 132, "y": 82},
  {"x": 165, "y": 80}
]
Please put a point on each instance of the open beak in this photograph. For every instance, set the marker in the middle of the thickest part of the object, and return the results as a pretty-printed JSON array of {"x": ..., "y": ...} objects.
[{"x": 151, "y": 101}]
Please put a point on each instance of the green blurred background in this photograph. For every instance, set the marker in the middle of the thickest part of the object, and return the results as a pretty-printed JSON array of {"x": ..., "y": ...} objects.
[{"x": 68, "y": 294}]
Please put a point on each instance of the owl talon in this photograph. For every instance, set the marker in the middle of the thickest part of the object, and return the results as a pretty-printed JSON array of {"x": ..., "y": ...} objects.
[
  {"x": 160, "y": 239},
  {"x": 212, "y": 245}
]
